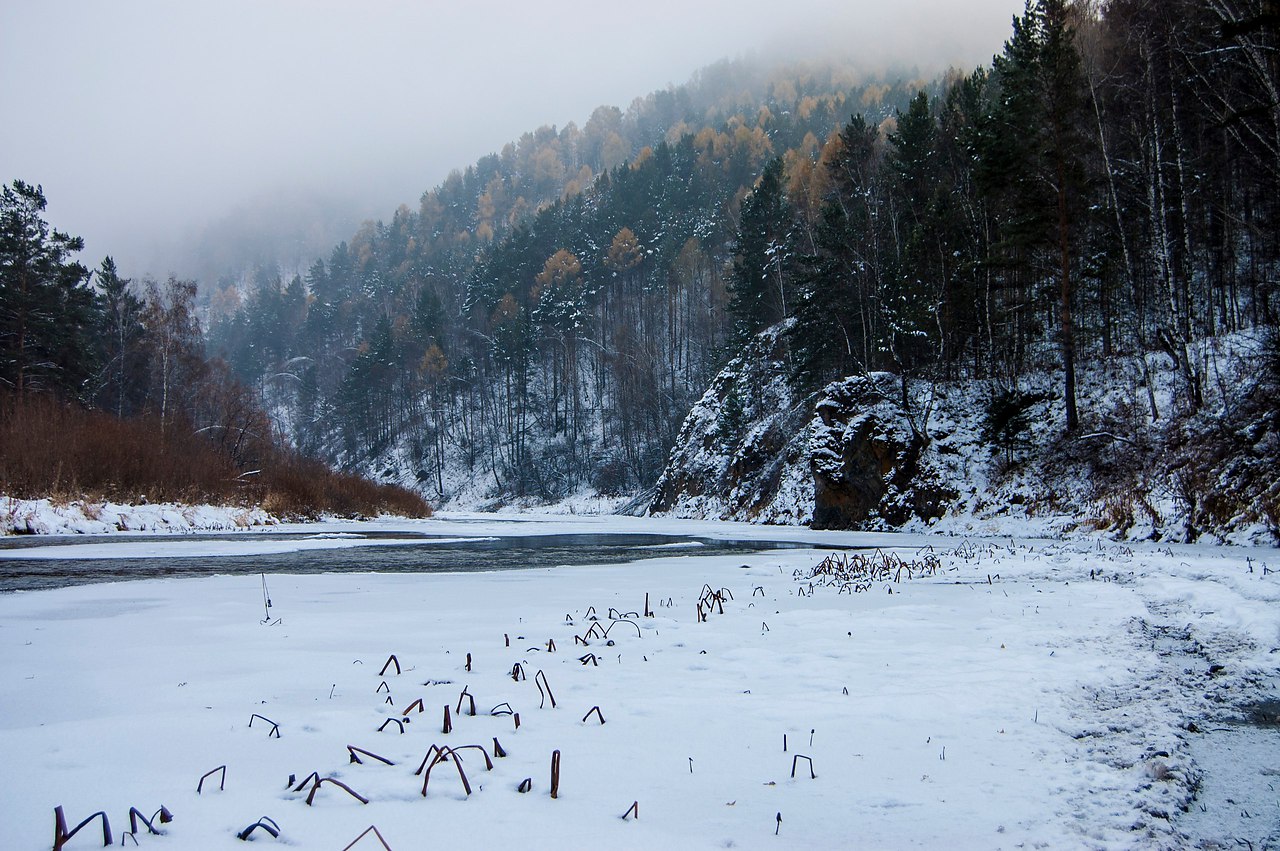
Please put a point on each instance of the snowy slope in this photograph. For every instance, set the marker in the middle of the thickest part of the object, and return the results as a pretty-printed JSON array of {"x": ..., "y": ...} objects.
[{"x": 1143, "y": 466}]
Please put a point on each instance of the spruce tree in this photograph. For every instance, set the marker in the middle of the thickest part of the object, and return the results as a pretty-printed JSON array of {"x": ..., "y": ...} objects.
[
  {"x": 121, "y": 341},
  {"x": 47, "y": 309},
  {"x": 762, "y": 266},
  {"x": 1033, "y": 162}
]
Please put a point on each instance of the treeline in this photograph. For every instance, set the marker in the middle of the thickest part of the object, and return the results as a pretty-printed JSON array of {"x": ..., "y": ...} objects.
[
  {"x": 105, "y": 392},
  {"x": 544, "y": 320},
  {"x": 1108, "y": 187}
]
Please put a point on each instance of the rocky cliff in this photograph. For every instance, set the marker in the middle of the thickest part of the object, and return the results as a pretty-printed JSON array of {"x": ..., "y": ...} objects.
[
  {"x": 872, "y": 452},
  {"x": 847, "y": 457}
]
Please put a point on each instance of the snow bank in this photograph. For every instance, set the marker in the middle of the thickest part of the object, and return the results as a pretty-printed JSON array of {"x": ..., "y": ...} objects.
[{"x": 82, "y": 517}]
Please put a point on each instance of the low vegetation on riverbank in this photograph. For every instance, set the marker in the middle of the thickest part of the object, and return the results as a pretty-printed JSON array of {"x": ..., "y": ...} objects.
[{"x": 58, "y": 450}]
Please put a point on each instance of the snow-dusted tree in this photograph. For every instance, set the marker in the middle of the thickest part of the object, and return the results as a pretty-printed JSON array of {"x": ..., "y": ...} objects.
[
  {"x": 121, "y": 381},
  {"x": 763, "y": 264},
  {"x": 1034, "y": 161},
  {"x": 176, "y": 347}
]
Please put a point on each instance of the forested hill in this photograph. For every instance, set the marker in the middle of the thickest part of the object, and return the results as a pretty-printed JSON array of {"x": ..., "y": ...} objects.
[
  {"x": 545, "y": 319},
  {"x": 1105, "y": 192}
]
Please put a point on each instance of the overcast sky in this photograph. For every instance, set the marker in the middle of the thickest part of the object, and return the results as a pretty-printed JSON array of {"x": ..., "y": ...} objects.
[{"x": 144, "y": 120}]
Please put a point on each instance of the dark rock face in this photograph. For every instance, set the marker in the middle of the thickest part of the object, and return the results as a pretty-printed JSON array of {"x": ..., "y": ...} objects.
[{"x": 867, "y": 460}]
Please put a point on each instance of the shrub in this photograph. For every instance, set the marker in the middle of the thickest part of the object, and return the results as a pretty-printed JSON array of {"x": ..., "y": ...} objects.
[
  {"x": 1008, "y": 419},
  {"x": 51, "y": 448}
]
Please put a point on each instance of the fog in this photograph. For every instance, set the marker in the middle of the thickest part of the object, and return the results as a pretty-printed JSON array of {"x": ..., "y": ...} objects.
[{"x": 147, "y": 122}]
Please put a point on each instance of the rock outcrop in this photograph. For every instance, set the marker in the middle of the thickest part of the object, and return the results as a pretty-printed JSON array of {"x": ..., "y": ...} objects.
[
  {"x": 742, "y": 451},
  {"x": 751, "y": 449},
  {"x": 867, "y": 459}
]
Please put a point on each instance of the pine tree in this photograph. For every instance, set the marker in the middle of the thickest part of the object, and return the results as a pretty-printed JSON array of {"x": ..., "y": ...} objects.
[
  {"x": 762, "y": 267},
  {"x": 1034, "y": 161},
  {"x": 47, "y": 309}
]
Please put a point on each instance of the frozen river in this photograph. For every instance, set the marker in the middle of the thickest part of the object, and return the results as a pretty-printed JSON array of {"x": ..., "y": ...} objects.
[
  {"x": 962, "y": 693},
  {"x": 28, "y": 564}
]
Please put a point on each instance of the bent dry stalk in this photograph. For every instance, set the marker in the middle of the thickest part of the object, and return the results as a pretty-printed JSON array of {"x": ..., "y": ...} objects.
[
  {"x": 61, "y": 836},
  {"x": 266, "y": 823},
  {"x": 306, "y": 781},
  {"x": 540, "y": 680},
  {"x": 353, "y": 752},
  {"x": 443, "y": 755},
  {"x": 275, "y": 728},
  {"x": 221, "y": 782},
  {"x": 321, "y": 781},
  {"x": 629, "y": 622},
  {"x": 135, "y": 815},
  {"x": 391, "y": 660},
  {"x": 367, "y": 830},
  {"x": 795, "y": 759},
  {"x": 471, "y": 702}
]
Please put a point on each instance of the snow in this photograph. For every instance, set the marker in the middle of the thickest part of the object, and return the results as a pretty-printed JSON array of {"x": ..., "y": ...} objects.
[
  {"x": 85, "y": 517},
  {"x": 1029, "y": 693}
]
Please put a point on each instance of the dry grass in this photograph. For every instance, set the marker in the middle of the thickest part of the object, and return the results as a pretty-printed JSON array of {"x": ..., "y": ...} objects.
[{"x": 49, "y": 448}]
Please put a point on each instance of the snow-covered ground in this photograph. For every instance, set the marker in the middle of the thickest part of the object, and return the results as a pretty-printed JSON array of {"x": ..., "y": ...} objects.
[
  {"x": 88, "y": 517},
  {"x": 1018, "y": 694}
]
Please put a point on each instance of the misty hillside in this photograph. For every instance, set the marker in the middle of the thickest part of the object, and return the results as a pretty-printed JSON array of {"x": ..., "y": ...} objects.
[
  {"x": 545, "y": 318},
  {"x": 1099, "y": 201}
]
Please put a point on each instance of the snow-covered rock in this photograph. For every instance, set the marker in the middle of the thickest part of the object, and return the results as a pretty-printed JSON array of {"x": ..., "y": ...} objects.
[
  {"x": 753, "y": 449},
  {"x": 742, "y": 451},
  {"x": 871, "y": 452},
  {"x": 868, "y": 458}
]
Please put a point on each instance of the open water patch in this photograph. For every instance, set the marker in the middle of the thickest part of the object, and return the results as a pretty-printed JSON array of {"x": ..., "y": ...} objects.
[{"x": 413, "y": 554}]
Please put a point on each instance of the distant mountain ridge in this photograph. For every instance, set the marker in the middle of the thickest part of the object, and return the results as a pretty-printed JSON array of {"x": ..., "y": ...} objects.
[{"x": 435, "y": 349}]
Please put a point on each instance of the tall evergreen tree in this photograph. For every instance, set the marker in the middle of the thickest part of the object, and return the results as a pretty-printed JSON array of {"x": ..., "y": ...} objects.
[
  {"x": 47, "y": 308},
  {"x": 121, "y": 341},
  {"x": 762, "y": 267},
  {"x": 1034, "y": 162},
  {"x": 838, "y": 319}
]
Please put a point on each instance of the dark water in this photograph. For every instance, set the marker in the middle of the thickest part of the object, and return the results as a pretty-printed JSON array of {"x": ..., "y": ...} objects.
[{"x": 506, "y": 553}]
